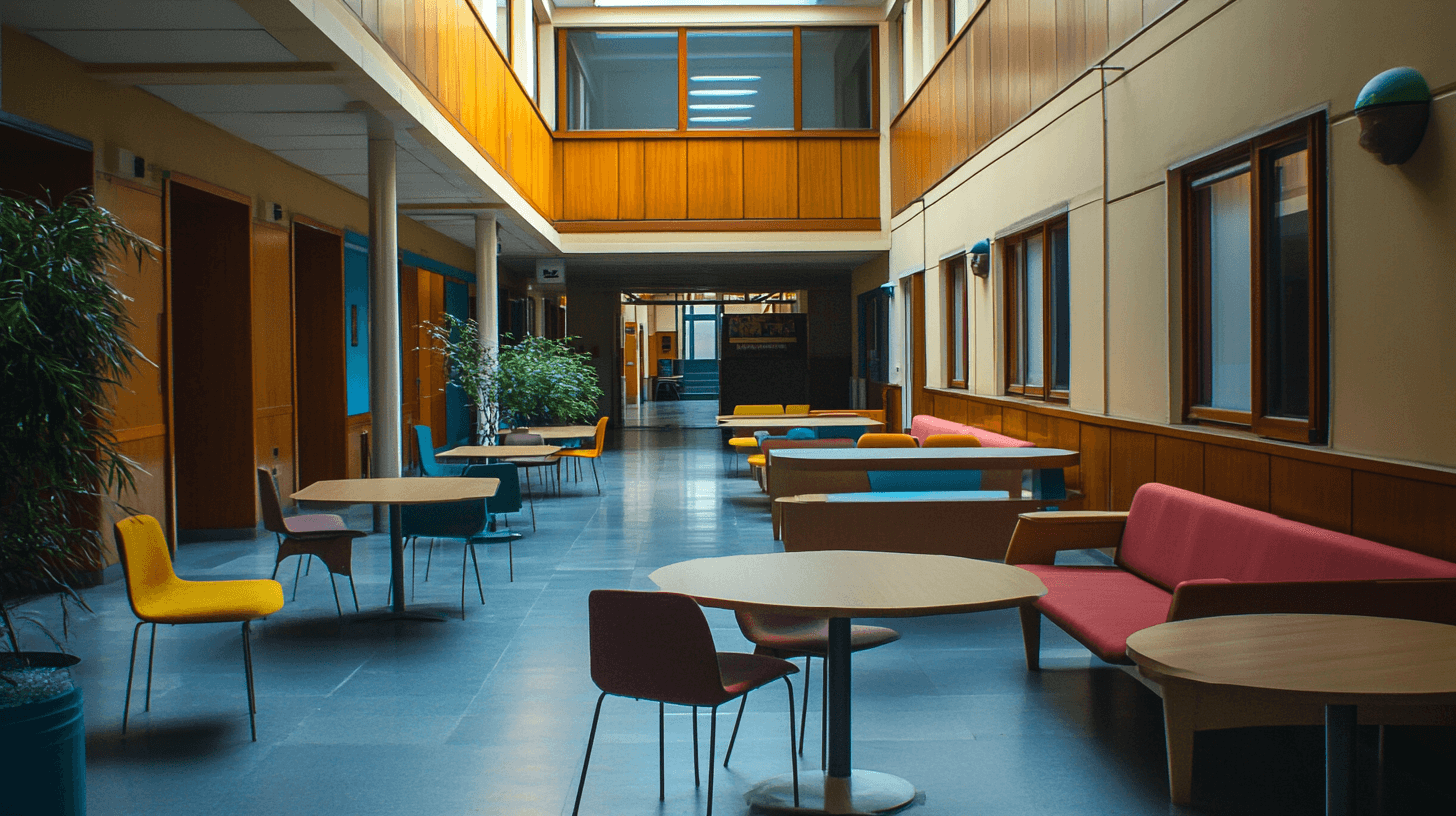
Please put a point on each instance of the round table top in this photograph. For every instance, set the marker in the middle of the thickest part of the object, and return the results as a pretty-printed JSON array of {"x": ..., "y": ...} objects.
[
  {"x": 1339, "y": 659},
  {"x": 557, "y": 431},
  {"x": 498, "y": 451},
  {"x": 791, "y": 421},
  {"x": 851, "y": 584},
  {"x": 399, "y": 490}
]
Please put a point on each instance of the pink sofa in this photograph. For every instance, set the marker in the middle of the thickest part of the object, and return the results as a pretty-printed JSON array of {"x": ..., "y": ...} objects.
[
  {"x": 923, "y": 425},
  {"x": 1182, "y": 555}
]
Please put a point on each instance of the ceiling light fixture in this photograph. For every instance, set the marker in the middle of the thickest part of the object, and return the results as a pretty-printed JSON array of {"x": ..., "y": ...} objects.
[
  {"x": 743, "y": 78},
  {"x": 720, "y": 107},
  {"x": 723, "y": 92},
  {"x": 719, "y": 118},
  {"x": 621, "y": 3}
]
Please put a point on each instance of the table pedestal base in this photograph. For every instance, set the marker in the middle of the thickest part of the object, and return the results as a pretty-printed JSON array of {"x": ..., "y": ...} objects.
[
  {"x": 862, "y": 792},
  {"x": 391, "y": 615}
]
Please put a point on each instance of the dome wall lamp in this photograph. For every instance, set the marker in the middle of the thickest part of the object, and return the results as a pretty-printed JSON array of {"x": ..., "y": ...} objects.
[{"x": 1393, "y": 109}]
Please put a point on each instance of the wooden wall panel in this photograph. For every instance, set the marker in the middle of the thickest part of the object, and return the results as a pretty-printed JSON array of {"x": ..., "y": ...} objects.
[
  {"x": 631, "y": 200},
  {"x": 412, "y": 286},
  {"x": 321, "y": 401},
  {"x": 1310, "y": 492},
  {"x": 1134, "y": 464},
  {"x": 1152, "y": 8},
  {"x": 820, "y": 177},
  {"x": 665, "y": 179},
  {"x": 1042, "y": 37},
  {"x": 771, "y": 178},
  {"x": 952, "y": 409},
  {"x": 1096, "y": 467},
  {"x": 1179, "y": 462},
  {"x": 1071, "y": 39},
  {"x": 1124, "y": 18},
  {"x": 1096, "y": 21},
  {"x": 434, "y": 364},
  {"x": 960, "y": 101},
  {"x": 715, "y": 178},
  {"x": 980, "y": 65},
  {"x": 1404, "y": 512},
  {"x": 356, "y": 448},
  {"x": 590, "y": 183},
  {"x": 273, "y": 355},
  {"x": 1066, "y": 434},
  {"x": 859, "y": 177},
  {"x": 1013, "y": 422},
  {"x": 275, "y": 451},
  {"x": 1236, "y": 475}
]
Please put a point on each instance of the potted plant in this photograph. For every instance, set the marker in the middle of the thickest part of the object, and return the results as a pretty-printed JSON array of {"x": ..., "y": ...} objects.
[
  {"x": 63, "y": 346},
  {"x": 473, "y": 368},
  {"x": 547, "y": 382}
]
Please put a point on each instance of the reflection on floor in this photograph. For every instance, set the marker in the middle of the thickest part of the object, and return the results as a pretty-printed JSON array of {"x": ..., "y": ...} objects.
[{"x": 490, "y": 715}]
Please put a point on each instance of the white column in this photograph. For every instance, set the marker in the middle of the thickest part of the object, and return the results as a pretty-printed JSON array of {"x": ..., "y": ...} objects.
[
  {"x": 487, "y": 282},
  {"x": 384, "y": 337}
]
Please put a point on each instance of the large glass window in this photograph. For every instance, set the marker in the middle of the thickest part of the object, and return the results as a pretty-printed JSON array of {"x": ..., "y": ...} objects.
[
  {"x": 1038, "y": 310},
  {"x": 958, "y": 11},
  {"x": 498, "y": 20},
  {"x": 956, "y": 324},
  {"x": 1255, "y": 334},
  {"x": 621, "y": 80},
  {"x": 836, "y": 78},
  {"x": 740, "y": 79}
]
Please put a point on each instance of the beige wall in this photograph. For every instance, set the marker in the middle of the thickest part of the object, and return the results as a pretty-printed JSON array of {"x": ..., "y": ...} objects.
[
  {"x": 1207, "y": 75},
  {"x": 46, "y": 86}
]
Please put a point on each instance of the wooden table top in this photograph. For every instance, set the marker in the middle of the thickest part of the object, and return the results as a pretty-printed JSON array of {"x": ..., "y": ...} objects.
[
  {"x": 791, "y": 421},
  {"x": 845, "y": 584},
  {"x": 401, "y": 490},
  {"x": 558, "y": 431},
  {"x": 923, "y": 458},
  {"x": 1338, "y": 659},
  {"x": 498, "y": 451}
]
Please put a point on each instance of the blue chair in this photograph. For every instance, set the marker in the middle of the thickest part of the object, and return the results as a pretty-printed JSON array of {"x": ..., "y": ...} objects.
[
  {"x": 507, "y": 498},
  {"x": 801, "y": 433},
  {"x": 467, "y": 521},
  {"x": 428, "y": 465}
]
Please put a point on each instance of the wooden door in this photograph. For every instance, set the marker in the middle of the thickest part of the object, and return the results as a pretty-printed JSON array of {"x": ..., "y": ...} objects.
[{"x": 630, "y": 371}]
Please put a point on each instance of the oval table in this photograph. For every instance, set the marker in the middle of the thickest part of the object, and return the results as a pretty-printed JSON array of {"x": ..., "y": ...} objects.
[
  {"x": 841, "y": 585},
  {"x": 1339, "y": 661}
]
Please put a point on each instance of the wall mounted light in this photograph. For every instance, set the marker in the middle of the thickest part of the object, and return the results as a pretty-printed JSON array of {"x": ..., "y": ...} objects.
[
  {"x": 979, "y": 258},
  {"x": 888, "y": 289},
  {"x": 1393, "y": 109}
]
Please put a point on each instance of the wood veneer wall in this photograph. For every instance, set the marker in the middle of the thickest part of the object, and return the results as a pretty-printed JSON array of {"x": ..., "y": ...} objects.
[
  {"x": 456, "y": 62},
  {"x": 1403, "y": 505},
  {"x": 719, "y": 183},
  {"x": 321, "y": 393},
  {"x": 1011, "y": 57},
  {"x": 273, "y": 419}
]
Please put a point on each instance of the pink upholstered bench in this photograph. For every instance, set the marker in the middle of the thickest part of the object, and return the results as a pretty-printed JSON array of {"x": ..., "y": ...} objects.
[
  {"x": 923, "y": 425},
  {"x": 1183, "y": 555}
]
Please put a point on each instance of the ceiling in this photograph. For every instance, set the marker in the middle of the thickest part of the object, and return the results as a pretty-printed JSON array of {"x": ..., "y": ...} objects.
[{"x": 308, "y": 119}]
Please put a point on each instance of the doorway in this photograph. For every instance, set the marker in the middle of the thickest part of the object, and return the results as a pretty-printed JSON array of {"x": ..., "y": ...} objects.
[
  {"x": 210, "y": 303},
  {"x": 321, "y": 333}
]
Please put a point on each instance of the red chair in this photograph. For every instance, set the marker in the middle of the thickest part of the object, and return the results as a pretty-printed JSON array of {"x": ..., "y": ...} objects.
[
  {"x": 787, "y": 636},
  {"x": 657, "y": 646}
]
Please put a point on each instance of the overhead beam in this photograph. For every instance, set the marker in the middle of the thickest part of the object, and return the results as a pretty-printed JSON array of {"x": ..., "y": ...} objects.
[
  {"x": 216, "y": 73},
  {"x": 468, "y": 207}
]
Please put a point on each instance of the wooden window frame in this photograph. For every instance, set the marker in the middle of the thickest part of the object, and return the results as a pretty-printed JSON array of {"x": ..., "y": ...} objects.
[
  {"x": 1312, "y": 429},
  {"x": 1044, "y": 392},
  {"x": 956, "y": 342},
  {"x": 562, "y": 89}
]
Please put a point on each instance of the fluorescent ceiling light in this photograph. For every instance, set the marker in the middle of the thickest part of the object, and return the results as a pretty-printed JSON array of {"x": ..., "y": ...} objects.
[
  {"x": 618, "y": 3},
  {"x": 636, "y": 35},
  {"x": 720, "y": 107},
  {"x": 719, "y": 118},
  {"x": 723, "y": 92},
  {"x": 743, "y": 78}
]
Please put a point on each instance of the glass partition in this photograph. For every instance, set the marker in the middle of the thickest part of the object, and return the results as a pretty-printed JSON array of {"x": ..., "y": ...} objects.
[
  {"x": 621, "y": 80},
  {"x": 740, "y": 79},
  {"x": 836, "y": 78}
]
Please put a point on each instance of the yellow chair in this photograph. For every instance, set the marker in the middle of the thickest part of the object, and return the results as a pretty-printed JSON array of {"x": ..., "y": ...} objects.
[
  {"x": 591, "y": 453},
  {"x": 757, "y": 410},
  {"x": 157, "y": 595},
  {"x": 951, "y": 441},
  {"x": 887, "y": 440},
  {"x": 796, "y": 409}
]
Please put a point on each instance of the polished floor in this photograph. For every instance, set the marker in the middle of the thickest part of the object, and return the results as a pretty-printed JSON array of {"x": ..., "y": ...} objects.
[{"x": 490, "y": 715}]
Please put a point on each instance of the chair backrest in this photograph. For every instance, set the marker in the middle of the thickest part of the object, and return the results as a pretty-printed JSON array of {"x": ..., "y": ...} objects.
[
  {"x": 801, "y": 433},
  {"x": 268, "y": 497},
  {"x": 507, "y": 498},
  {"x": 461, "y": 519},
  {"x": 653, "y": 646},
  {"x": 601, "y": 434},
  {"x": 951, "y": 441},
  {"x": 520, "y": 438},
  {"x": 757, "y": 410},
  {"x": 887, "y": 440},
  {"x": 146, "y": 563},
  {"x": 796, "y": 409},
  {"x": 428, "y": 465}
]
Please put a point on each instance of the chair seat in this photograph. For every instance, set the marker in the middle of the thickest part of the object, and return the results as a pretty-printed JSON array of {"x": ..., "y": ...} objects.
[
  {"x": 812, "y": 638},
  {"x": 497, "y": 536},
  {"x": 581, "y": 453},
  {"x": 182, "y": 601},
  {"x": 314, "y": 523},
  {"x": 758, "y": 460},
  {"x": 743, "y": 442},
  {"x": 743, "y": 673}
]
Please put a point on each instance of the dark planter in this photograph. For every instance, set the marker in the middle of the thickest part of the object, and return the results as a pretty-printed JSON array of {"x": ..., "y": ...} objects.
[{"x": 43, "y": 750}]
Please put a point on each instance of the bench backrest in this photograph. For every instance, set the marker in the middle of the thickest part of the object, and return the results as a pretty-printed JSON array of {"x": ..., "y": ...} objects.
[
  {"x": 777, "y": 442},
  {"x": 1175, "y": 535},
  {"x": 923, "y": 425}
]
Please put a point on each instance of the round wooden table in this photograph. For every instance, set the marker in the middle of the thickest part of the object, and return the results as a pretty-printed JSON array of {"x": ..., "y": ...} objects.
[
  {"x": 841, "y": 585},
  {"x": 1339, "y": 661},
  {"x": 396, "y": 492}
]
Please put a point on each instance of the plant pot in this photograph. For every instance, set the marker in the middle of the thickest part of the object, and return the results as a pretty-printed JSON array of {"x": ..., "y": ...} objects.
[{"x": 43, "y": 748}]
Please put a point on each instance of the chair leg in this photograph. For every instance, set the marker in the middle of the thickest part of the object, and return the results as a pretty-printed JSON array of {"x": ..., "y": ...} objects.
[
  {"x": 823, "y": 714},
  {"x": 697, "y": 778},
  {"x": 587, "y": 759},
  {"x": 742, "y": 704},
  {"x": 661, "y": 753},
  {"x": 297, "y": 570},
  {"x": 793, "y": 757},
  {"x": 1031, "y": 636},
  {"x": 804, "y": 720},
  {"x": 248, "y": 670},
  {"x": 594, "y": 476},
  {"x": 353, "y": 592},
  {"x": 151, "y": 657},
  {"x": 130, "y": 669},
  {"x": 511, "y": 560},
  {"x": 712, "y": 743},
  {"x": 532, "y": 500},
  {"x": 476, "y": 562},
  {"x": 335, "y": 587}
]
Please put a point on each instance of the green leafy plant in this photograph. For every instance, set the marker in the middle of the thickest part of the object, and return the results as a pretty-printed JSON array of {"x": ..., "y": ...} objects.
[
  {"x": 473, "y": 367},
  {"x": 547, "y": 382},
  {"x": 64, "y": 346}
]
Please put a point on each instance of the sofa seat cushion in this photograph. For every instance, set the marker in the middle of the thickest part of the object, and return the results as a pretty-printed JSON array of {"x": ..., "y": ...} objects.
[
  {"x": 1100, "y": 606},
  {"x": 923, "y": 425},
  {"x": 1174, "y": 536}
]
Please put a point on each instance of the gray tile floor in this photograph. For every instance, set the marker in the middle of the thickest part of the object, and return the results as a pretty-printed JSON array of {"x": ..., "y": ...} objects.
[{"x": 490, "y": 715}]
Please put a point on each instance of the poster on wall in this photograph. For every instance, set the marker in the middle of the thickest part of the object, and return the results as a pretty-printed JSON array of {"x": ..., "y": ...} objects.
[{"x": 763, "y": 328}]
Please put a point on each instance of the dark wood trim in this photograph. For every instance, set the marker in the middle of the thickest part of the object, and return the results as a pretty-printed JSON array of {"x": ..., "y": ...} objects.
[
  {"x": 682, "y": 78},
  {"x": 956, "y": 341},
  {"x": 1012, "y": 311},
  {"x": 305, "y": 221},
  {"x": 208, "y": 187},
  {"x": 717, "y": 134},
  {"x": 132, "y": 184},
  {"x": 561, "y": 82},
  {"x": 271, "y": 225},
  {"x": 916, "y": 285},
  {"x": 798, "y": 78},
  {"x": 124, "y": 435},
  {"x": 744, "y": 225},
  {"x": 875, "y": 79}
]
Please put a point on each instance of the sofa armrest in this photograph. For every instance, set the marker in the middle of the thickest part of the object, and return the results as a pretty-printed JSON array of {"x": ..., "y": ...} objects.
[
  {"x": 1040, "y": 536},
  {"x": 1427, "y": 599}
]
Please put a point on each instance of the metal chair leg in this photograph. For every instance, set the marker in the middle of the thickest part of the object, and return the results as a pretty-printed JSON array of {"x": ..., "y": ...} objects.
[
  {"x": 511, "y": 560},
  {"x": 131, "y": 667},
  {"x": 335, "y": 587},
  {"x": 793, "y": 757},
  {"x": 151, "y": 658},
  {"x": 248, "y": 670},
  {"x": 712, "y": 744},
  {"x": 587, "y": 759},
  {"x": 804, "y": 720},
  {"x": 697, "y": 779},
  {"x": 353, "y": 592},
  {"x": 594, "y": 476},
  {"x": 661, "y": 753},
  {"x": 297, "y": 570},
  {"x": 742, "y": 704}
]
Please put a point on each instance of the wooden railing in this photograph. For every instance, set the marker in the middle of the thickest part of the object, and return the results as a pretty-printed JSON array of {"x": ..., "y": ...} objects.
[
  {"x": 1011, "y": 57},
  {"x": 713, "y": 182},
  {"x": 446, "y": 48}
]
